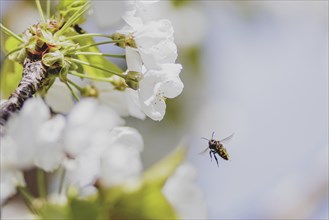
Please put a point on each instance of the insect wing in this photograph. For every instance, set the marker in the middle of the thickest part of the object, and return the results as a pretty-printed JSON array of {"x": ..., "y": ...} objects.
[
  {"x": 227, "y": 138},
  {"x": 204, "y": 151}
]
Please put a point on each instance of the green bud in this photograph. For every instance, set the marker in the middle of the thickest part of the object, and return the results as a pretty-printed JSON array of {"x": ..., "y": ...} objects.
[
  {"x": 53, "y": 60},
  {"x": 89, "y": 91},
  {"x": 132, "y": 79}
]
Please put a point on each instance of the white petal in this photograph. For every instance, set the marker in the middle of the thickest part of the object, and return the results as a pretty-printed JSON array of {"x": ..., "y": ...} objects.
[
  {"x": 121, "y": 160},
  {"x": 183, "y": 193},
  {"x": 16, "y": 209},
  {"x": 163, "y": 52},
  {"x": 10, "y": 179},
  {"x": 23, "y": 128},
  {"x": 134, "y": 106},
  {"x": 171, "y": 86},
  {"x": 84, "y": 170},
  {"x": 87, "y": 119},
  {"x": 153, "y": 33},
  {"x": 134, "y": 60},
  {"x": 50, "y": 153},
  {"x": 59, "y": 97}
]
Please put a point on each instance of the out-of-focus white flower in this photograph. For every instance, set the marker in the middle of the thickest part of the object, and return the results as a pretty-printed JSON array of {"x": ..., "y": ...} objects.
[
  {"x": 16, "y": 209},
  {"x": 50, "y": 154},
  {"x": 59, "y": 97},
  {"x": 99, "y": 147},
  {"x": 86, "y": 121},
  {"x": 10, "y": 178},
  {"x": 182, "y": 192},
  {"x": 34, "y": 137},
  {"x": 121, "y": 161}
]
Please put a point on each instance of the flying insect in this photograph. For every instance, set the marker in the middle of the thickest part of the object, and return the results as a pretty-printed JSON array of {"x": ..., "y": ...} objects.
[{"x": 216, "y": 147}]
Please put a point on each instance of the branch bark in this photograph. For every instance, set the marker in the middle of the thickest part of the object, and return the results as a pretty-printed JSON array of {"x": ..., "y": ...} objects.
[{"x": 34, "y": 78}]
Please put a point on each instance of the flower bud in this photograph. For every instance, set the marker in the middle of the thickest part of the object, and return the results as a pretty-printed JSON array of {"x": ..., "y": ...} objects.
[
  {"x": 132, "y": 79},
  {"x": 89, "y": 91},
  {"x": 53, "y": 60}
]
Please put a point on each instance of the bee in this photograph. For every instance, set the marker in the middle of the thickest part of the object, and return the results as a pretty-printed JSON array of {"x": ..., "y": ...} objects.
[{"x": 216, "y": 147}]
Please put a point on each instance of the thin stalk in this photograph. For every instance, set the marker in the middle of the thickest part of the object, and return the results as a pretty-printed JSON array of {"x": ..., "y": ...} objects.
[
  {"x": 41, "y": 181},
  {"x": 75, "y": 95},
  {"x": 27, "y": 197},
  {"x": 91, "y": 77},
  {"x": 100, "y": 43},
  {"x": 10, "y": 33},
  {"x": 37, "y": 2},
  {"x": 48, "y": 8},
  {"x": 96, "y": 67},
  {"x": 61, "y": 183},
  {"x": 75, "y": 85},
  {"x": 88, "y": 35},
  {"x": 73, "y": 19},
  {"x": 122, "y": 56}
]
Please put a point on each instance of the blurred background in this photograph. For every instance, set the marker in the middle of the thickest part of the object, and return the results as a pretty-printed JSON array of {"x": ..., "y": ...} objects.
[{"x": 258, "y": 69}]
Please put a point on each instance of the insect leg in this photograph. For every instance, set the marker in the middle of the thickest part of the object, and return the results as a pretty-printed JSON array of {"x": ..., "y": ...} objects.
[
  {"x": 216, "y": 159},
  {"x": 210, "y": 155}
]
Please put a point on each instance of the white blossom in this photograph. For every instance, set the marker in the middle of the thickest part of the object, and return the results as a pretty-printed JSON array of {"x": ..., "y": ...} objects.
[
  {"x": 10, "y": 178},
  {"x": 34, "y": 137},
  {"x": 154, "y": 56},
  {"x": 183, "y": 193},
  {"x": 121, "y": 161},
  {"x": 98, "y": 147},
  {"x": 84, "y": 122},
  {"x": 158, "y": 85},
  {"x": 154, "y": 41}
]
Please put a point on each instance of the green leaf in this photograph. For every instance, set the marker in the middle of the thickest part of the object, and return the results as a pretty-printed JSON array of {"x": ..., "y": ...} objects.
[
  {"x": 68, "y": 8},
  {"x": 145, "y": 200},
  {"x": 11, "y": 74},
  {"x": 54, "y": 211},
  {"x": 11, "y": 43},
  {"x": 96, "y": 60},
  {"x": 86, "y": 209},
  {"x": 180, "y": 3},
  {"x": 159, "y": 173}
]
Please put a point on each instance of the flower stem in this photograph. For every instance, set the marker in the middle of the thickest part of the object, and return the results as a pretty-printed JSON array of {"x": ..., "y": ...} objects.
[
  {"x": 10, "y": 33},
  {"x": 96, "y": 67},
  {"x": 101, "y": 54},
  {"x": 75, "y": 95},
  {"x": 75, "y": 85},
  {"x": 27, "y": 197},
  {"x": 87, "y": 35},
  {"x": 41, "y": 181},
  {"x": 48, "y": 8},
  {"x": 61, "y": 183},
  {"x": 73, "y": 19},
  {"x": 40, "y": 10},
  {"x": 100, "y": 43},
  {"x": 102, "y": 79}
]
